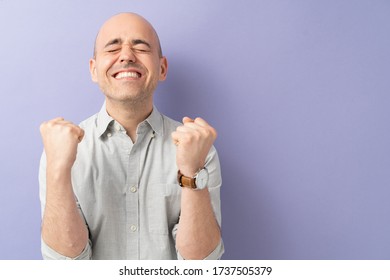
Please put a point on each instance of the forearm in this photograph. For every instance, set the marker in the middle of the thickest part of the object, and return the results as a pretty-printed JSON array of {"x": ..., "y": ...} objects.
[
  {"x": 63, "y": 228},
  {"x": 198, "y": 233}
]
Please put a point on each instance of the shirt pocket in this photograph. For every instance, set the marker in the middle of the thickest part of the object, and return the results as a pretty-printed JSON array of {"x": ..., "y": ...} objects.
[{"x": 163, "y": 205}]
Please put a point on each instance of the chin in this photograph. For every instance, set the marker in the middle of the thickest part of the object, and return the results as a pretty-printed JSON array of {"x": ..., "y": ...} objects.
[{"x": 129, "y": 98}]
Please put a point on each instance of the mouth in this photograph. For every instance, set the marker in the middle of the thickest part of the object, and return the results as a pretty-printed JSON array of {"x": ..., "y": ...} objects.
[{"x": 127, "y": 75}]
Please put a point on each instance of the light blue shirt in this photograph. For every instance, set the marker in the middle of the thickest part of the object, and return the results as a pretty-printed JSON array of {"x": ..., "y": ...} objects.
[{"x": 128, "y": 192}]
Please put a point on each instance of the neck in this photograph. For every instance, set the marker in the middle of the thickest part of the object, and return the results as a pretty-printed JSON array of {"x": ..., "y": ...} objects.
[{"x": 129, "y": 115}]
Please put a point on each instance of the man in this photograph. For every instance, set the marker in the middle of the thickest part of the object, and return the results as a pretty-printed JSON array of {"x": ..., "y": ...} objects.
[{"x": 110, "y": 188}]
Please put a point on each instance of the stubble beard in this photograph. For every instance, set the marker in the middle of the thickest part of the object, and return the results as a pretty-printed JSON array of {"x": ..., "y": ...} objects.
[{"x": 132, "y": 98}]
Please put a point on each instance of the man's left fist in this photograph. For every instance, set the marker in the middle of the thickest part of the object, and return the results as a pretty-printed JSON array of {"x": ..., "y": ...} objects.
[{"x": 193, "y": 140}]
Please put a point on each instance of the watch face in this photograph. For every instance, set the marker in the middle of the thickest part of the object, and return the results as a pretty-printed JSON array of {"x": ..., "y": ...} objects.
[{"x": 202, "y": 179}]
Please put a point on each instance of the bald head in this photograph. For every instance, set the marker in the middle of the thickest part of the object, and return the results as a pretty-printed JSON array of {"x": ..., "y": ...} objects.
[{"x": 126, "y": 23}]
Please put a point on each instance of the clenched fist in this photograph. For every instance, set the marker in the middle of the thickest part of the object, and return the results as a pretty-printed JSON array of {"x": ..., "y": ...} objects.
[
  {"x": 193, "y": 140},
  {"x": 60, "y": 140}
]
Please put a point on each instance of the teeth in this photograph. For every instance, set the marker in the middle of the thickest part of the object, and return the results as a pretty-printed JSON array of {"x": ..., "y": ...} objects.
[{"x": 127, "y": 75}]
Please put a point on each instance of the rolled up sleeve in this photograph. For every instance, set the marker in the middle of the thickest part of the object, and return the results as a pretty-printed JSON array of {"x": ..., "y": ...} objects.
[
  {"x": 214, "y": 255},
  {"x": 50, "y": 254}
]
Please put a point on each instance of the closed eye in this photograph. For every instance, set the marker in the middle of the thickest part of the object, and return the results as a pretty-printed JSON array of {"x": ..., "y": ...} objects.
[
  {"x": 141, "y": 50},
  {"x": 113, "y": 45},
  {"x": 140, "y": 45},
  {"x": 113, "y": 50}
]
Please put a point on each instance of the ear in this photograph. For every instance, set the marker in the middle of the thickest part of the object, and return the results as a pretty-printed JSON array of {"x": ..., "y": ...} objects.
[
  {"x": 92, "y": 69},
  {"x": 163, "y": 68}
]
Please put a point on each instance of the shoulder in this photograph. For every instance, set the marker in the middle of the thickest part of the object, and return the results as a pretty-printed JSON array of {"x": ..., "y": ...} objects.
[
  {"x": 92, "y": 132},
  {"x": 169, "y": 124},
  {"x": 89, "y": 123}
]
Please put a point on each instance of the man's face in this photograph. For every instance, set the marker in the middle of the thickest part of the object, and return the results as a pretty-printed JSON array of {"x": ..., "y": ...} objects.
[{"x": 127, "y": 64}]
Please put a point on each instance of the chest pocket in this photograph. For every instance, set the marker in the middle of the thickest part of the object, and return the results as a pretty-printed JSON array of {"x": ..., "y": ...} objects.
[{"x": 163, "y": 205}]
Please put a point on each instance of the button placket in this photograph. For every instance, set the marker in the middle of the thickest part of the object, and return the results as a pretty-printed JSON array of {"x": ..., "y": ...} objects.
[{"x": 132, "y": 201}]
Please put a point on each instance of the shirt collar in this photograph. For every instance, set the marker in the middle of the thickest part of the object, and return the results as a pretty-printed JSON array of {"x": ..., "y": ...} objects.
[
  {"x": 104, "y": 121},
  {"x": 155, "y": 121}
]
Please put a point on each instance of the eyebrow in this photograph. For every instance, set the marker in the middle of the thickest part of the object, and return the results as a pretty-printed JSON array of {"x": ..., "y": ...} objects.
[
  {"x": 118, "y": 41},
  {"x": 140, "y": 42},
  {"x": 115, "y": 41}
]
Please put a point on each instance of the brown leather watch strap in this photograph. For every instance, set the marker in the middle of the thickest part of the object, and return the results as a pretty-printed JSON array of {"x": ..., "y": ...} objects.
[{"x": 185, "y": 181}]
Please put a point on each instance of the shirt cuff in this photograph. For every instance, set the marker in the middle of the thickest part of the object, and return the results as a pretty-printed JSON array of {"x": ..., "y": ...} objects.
[
  {"x": 50, "y": 254},
  {"x": 214, "y": 255}
]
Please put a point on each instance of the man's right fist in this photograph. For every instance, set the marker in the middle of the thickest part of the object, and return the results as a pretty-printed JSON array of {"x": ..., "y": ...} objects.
[{"x": 60, "y": 140}]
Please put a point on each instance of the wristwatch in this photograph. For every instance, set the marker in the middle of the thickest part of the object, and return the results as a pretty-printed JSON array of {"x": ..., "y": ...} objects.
[{"x": 198, "y": 182}]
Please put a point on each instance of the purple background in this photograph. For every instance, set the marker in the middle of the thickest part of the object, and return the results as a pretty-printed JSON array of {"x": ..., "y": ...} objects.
[{"x": 298, "y": 91}]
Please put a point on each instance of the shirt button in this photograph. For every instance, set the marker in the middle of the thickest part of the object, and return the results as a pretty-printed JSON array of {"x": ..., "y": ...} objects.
[
  {"x": 109, "y": 134},
  {"x": 133, "y": 228},
  {"x": 133, "y": 189}
]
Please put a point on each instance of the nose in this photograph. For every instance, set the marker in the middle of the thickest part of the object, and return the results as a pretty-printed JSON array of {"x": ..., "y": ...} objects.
[{"x": 127, "y": 55}]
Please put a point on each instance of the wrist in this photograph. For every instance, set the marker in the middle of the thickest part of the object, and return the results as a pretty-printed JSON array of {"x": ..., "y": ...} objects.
[
  {"x": 59, "y": 165},
  {"x": 198, "y": 181},
  {"x": 190, "y": 171},
  {"x": 58, "y": 172}
]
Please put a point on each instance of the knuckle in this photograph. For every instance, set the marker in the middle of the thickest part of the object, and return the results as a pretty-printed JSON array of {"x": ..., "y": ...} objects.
[
  {"x": 67, "y": 128},
  {"x": 208, "y": 132},
  {"x": 197, "y": 135},
  {"x": 205, "y": 131},
  {"x": 187, "y": 139},
  {"x": 42, "y": 127},
  {"x": 213, "y": 132},
  {"x": 199, "y": 119},
  {"x": 73, "y": 129},
  {"x": 51, "y": 123}
]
